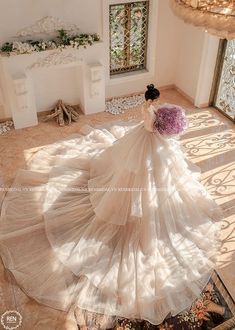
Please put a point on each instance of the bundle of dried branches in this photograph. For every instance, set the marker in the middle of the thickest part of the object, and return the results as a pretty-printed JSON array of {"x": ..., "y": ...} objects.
[{"x": 64, "y": 113}]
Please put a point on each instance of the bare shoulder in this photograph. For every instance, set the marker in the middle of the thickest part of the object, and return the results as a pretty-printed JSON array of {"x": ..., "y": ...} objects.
[
  {"x": 146, "y": 105},
  {"x": 151, "y": 108}
]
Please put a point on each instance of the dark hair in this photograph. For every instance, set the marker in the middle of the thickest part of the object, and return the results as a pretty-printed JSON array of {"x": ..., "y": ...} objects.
[{"x": 152, "y": 93}]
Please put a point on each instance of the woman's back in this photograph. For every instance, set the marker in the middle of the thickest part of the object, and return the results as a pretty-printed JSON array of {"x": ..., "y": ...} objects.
[{"x": 148, "y": 116}]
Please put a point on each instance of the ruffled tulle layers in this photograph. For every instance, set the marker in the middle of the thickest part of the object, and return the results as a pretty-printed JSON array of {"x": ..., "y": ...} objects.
[{"x": 113, "y": 220}]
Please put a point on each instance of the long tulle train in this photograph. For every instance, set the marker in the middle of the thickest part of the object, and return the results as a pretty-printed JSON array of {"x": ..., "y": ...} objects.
[{"x": 113, "y": 220}]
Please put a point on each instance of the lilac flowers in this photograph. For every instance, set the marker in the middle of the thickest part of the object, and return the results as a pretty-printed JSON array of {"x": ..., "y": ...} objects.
[{"x": 170, "y": 119}]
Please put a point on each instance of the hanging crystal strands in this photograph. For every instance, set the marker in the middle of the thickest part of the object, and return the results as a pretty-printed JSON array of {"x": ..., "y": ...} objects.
[{"x": 215, "y": 16}]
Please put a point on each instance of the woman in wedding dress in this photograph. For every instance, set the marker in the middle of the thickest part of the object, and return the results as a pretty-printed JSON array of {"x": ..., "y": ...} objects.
[{"x": 113, "y": 220}]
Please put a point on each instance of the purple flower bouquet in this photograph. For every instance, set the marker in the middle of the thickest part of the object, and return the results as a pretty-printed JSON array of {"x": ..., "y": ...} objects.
[{"x": 170, "y": 120}]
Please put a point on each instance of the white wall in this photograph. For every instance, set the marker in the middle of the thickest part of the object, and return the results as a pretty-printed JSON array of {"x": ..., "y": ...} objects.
[
  {"x": 163, "y": 44},
  {"x": 176, "y": 48},
  {"x": 195, "y": 63},
  {"x": 190, "y": 48},
  {"x": 186, "y": 56},
  {"x": 15, "y": 15},
  {"x": 179, "y": 51},
  {"x": 168, "y": 38},
  {"x": 122, "y": 84},
  {"x": 88, "y": 15},
  {"x": 207, "y": 70}
]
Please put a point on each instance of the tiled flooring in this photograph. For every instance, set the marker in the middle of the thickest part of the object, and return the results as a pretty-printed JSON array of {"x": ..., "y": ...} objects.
[{"x": 210, "y": 143}]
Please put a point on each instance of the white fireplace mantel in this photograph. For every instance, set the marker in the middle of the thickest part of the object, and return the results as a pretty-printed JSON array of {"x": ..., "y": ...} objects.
[{"x": 30, "y": 83}]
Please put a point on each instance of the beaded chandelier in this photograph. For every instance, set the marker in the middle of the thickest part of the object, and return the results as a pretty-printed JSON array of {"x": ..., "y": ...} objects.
[{"x": 215, "y": 16}]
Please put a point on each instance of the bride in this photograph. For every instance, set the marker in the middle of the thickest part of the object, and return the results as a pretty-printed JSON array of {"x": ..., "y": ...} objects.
[{"x": 113, "y": 220}]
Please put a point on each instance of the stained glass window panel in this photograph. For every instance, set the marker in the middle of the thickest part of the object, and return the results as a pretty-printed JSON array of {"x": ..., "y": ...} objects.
[
  {"x": 225, "y": 99},
  {"x": 128, "y": 36}
]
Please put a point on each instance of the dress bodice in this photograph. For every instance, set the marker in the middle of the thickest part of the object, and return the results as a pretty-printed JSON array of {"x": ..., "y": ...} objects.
[{"x": 148, "y": 117}]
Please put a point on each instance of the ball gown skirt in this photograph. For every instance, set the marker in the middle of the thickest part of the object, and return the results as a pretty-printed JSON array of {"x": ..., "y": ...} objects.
[{"x": 113, "y": 220}]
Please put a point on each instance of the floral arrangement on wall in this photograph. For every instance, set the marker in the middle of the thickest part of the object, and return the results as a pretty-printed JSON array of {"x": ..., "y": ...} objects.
[{"x": 62, "y": 41}]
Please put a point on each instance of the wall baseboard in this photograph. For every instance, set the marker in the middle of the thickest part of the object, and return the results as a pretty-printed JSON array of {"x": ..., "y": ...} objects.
[
  {"x": 161, "y": 88},
  {"x": 2, "y": 120},
  {"x": 203, "y": 105},
  {"x": 189, "y": 98}
]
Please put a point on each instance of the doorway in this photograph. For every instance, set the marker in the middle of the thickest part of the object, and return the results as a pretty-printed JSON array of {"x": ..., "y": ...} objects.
[{"x": 223, "y": 91}]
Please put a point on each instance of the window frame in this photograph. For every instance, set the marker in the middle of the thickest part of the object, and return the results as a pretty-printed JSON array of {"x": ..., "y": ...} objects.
[
  {"x": 147, "y": 73},
  {"x": 130, "y": 68},
  {"x": 217, "y": 76}
]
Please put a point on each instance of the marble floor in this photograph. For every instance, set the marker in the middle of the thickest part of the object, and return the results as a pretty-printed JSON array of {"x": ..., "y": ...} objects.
[{"x": 210, "y": 144}]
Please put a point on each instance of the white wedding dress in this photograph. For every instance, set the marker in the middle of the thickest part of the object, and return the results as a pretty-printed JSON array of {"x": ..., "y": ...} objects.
[{"x": 113, "y": 220}]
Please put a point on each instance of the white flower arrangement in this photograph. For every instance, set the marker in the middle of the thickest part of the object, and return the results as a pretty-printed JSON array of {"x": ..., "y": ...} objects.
[
  {"x": 62, "y": 41},
  {"x": 22, "y": 48}
]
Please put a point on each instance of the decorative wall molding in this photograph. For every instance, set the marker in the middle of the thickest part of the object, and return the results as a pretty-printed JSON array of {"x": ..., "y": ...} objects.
[
  {"x": 26, "y": 82},
  {"x": 96, "y": 78},
  {"x": 55, "y": 58},
  {"x": 47, "y": 25}
]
